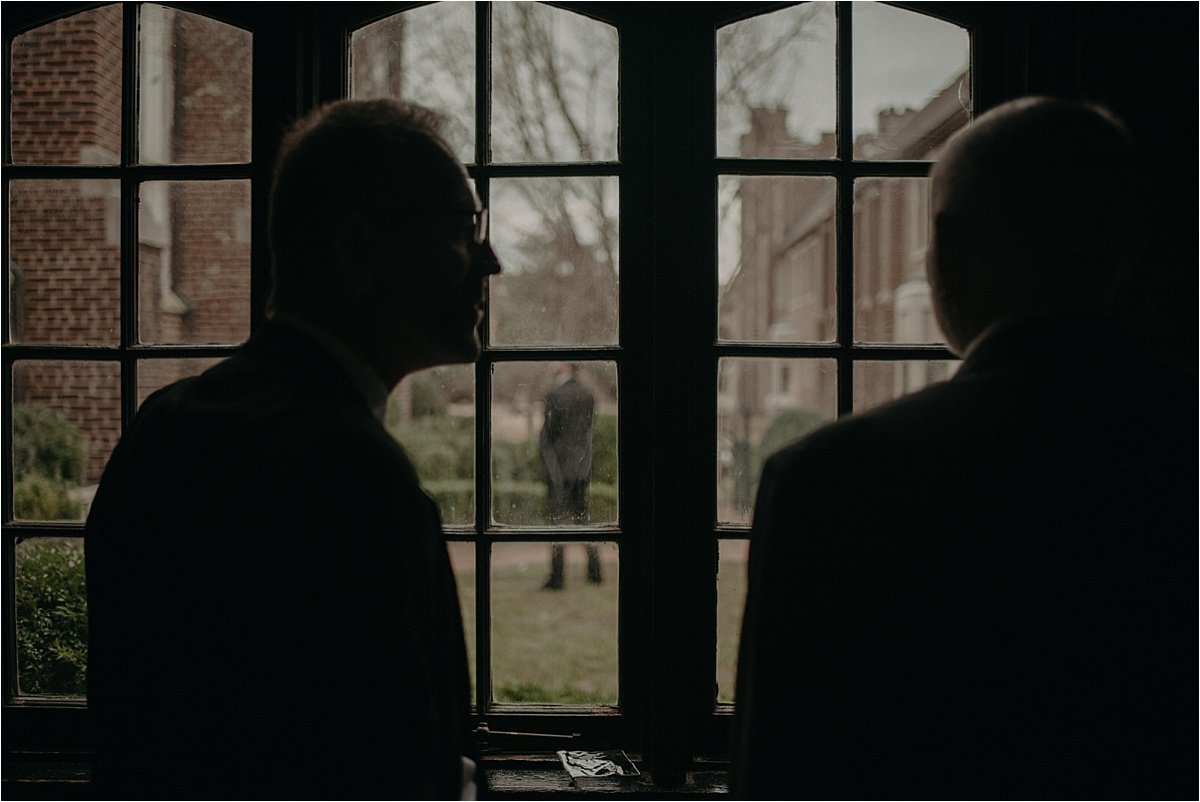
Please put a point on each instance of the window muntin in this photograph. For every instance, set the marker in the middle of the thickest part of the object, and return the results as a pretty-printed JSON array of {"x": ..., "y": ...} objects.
[
  {"x": 540, "y": 96},
  {"x": 830, "y": 275},
  {"x": 129, "y": 238}
]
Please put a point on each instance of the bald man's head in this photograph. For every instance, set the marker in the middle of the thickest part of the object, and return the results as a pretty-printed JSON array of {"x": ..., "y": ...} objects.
[{"x": 1035, "y": 206}]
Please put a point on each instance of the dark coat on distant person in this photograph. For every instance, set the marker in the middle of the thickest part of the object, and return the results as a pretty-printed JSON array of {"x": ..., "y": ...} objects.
[
  {"x": 985, "y": 589},
  {"x": 272, "y": 608},
  {"x": 566, "y": 438}
]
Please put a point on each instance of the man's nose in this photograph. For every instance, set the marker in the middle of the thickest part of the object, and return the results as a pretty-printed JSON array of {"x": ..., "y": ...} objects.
[{"x": 486, "y": 261}]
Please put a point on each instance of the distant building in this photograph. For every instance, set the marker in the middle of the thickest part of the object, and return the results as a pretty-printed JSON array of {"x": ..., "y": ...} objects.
[
  {"x": 783, "y": 289},
  {"x": 193, "y": 283}
]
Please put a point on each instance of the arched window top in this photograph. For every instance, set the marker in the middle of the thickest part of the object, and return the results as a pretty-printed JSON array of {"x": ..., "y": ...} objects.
[
  {"x": 552, "y": 95},
  {"x": 194, "y": 88},
  {"x": 778, "y": 94}
]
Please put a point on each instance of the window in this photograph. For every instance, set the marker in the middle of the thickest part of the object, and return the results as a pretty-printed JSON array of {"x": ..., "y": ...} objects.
[
  {"x": 127, "y": 192},
  {"x": 714, "y": 221}
]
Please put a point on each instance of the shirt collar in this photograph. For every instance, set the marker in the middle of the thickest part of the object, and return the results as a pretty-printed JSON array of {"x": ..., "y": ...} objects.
[{"x": 361, "y": 374}]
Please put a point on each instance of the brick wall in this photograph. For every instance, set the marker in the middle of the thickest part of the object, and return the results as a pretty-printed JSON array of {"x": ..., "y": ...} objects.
[{"x": 194, "y": 254}]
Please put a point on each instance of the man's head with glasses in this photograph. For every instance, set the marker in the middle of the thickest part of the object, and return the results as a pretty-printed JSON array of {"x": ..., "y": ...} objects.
[{"x": 378, "y": 237}]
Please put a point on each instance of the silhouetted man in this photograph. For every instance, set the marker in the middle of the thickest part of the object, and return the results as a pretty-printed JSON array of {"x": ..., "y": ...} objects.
[
  {"x": 988, "y": 588},
  {"x": 565, "y": 444},
  {"x": 271, "y": 604}
]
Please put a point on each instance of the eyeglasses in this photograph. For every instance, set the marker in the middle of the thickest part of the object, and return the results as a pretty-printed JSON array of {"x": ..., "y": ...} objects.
[{"x": 479, "y": 220}]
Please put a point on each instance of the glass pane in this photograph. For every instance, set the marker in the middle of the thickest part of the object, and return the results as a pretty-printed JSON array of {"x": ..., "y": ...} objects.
[
  {"x": 731, "y": 602},
  {"x": 66, "y": 90},
  {"x": 194, "y": 85},
  {"x": 66, "y": 421},
  {"x": 554, "y": 85},
  {"x": 51, "y": 617},
  {"x": 155, "y": 374},
  {"x": 777, "y": 259},
  {"x": 912, "y": 88},
  {"x": 557, "y": 239},
  {"x": 891, "y": 232},
  {"x": 776, "y": 85},
  {"x": 762, "y": 406},
  {"x": 554, "y": 645},
  {"x": 877, "y": 383},
  {"x": 194, "y": 262},
  {"x": 462, "y": 561},
  {"x": 64, "y": 262},
  {"x": 554, "y": 443},
  {"x": 426, "y": 56},
  {"x": 432, "y": 415}
]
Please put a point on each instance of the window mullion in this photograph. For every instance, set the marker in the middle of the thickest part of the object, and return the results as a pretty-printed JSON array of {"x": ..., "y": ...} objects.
[{"x": 844, "y": 212}]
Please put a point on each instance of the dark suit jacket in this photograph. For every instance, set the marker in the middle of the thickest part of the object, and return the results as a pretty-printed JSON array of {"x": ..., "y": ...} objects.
[
  {"x": 566, "y": 438},
  {"x": 985, "y": 589},
  {"x": 271, "y": 604}
]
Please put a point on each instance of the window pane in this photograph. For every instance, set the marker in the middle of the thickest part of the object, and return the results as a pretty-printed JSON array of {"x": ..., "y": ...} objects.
[
  {"x": 877, "y": 383},
  {"x": 557, "y": 239},
  {"x": 912, "y": 88},
  {"x": 777, "y": 259},
  {"x": 891, "y": 232},
  {"x": 194, "y": 85},
  {"x": 554, "y": 443},
  {"x": 66, "y": 421},
  {"x": 426, "y": 56},
  {"x": 776, "y": 85},
  {"x": 731, "y": 602},
  {"x": 554, "y": 645},
  {"x": 554, "y": 85},
  {"x": 66, "y": 90},
  {"x": 762, "y": 406},
  {"x": 155, "y": 374},
  {"x": 194, "y": 262},
  {"x": 462, "y": 561},
  {"x": 64, "y": 262},
  {"x": 432, "y": 415},
  {"x": 51, "y": 617}
]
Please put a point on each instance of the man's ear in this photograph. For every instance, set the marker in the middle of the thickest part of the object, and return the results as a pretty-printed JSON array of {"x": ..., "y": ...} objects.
[{"x": 353, "y": 251}]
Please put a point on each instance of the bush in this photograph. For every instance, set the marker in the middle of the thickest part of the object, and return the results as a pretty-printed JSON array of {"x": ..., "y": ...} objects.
[
  {"x": 51, "y": 617},
  {"x": 36, "y": 498},
  {"x": 46, "y": 444},
  {"x": 517, "y": 503}
]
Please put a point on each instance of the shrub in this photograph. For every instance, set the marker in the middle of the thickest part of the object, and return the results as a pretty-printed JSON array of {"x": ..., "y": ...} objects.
[
  {"x": 51, "y": 617},
  {"x": 46, "y": 444},
  {"x": 36, "y": 498}
]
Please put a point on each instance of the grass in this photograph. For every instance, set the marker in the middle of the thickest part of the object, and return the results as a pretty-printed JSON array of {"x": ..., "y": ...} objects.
[{"x": 561, "y": 646}]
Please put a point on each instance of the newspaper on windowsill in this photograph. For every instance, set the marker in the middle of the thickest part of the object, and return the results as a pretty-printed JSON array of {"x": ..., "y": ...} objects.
[{"x": 606, "y": 763}]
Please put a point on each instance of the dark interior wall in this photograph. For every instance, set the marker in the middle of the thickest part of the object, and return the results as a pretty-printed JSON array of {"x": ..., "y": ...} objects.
[{"x": 1139, "y": 60}]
